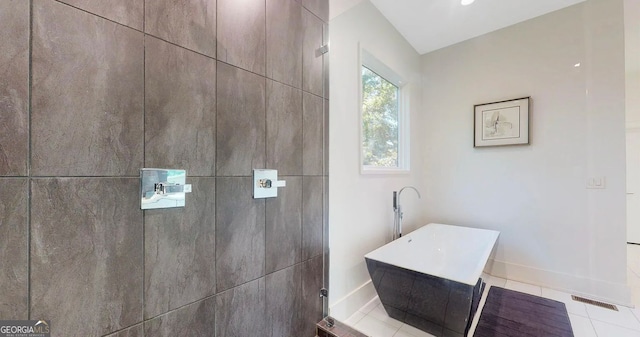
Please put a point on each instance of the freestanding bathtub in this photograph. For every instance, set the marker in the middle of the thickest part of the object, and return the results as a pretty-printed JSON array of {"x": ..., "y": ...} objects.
[{"x": 430, "y": 278}]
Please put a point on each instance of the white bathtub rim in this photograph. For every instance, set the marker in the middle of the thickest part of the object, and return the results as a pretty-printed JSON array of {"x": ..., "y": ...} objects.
[{"x": 469, "y": 275}]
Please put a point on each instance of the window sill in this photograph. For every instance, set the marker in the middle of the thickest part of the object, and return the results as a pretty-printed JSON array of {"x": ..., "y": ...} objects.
[{"x": 383, "y": 171}]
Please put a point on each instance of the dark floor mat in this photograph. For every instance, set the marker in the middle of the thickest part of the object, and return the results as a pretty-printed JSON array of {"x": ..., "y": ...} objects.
[{"x": 509, "y": 313}]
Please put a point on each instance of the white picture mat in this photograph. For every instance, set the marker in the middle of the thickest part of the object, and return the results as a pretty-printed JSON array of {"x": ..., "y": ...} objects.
[{"x": 502, "y": 123}]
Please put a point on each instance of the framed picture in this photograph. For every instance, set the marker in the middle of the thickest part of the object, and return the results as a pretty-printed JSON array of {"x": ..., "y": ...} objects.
[{"x": 502, "y": 123}]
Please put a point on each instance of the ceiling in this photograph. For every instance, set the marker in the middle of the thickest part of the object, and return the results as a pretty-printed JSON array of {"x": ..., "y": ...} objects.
[{"x": 433, "y": 24}]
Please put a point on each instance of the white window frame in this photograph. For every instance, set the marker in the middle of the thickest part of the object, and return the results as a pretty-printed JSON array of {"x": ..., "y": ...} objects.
[{"x": 366, "y": 59}]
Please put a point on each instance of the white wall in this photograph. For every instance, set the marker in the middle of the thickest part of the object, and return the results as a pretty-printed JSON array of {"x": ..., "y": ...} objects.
[
  {"x": 361, "y": 216},
  {"x": 632, "y": 53},
  {"x": 554, "y": 232}
]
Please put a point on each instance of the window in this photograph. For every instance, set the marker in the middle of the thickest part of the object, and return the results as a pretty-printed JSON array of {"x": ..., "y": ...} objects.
[{"x": 383, "y": 135}]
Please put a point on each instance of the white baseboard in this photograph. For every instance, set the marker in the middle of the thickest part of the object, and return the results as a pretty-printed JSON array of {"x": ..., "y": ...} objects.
[
  {"x": 615, "y": 293},
  {"x": 348, "y": 305}
]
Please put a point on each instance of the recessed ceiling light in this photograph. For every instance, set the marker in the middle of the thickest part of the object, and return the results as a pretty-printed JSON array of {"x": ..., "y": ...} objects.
[{"x": 466, "y": 2}]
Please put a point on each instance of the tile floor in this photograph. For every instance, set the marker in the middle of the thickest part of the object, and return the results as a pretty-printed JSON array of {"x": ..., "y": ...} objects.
[{"x": 586, "y": 320}]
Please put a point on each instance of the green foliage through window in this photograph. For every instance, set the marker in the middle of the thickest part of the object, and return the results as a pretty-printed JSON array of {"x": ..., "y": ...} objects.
[{"x": 379, "y": 121}]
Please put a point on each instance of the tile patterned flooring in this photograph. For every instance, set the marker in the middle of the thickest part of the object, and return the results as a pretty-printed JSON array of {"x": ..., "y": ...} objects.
[{"x": 586, "y": 320}]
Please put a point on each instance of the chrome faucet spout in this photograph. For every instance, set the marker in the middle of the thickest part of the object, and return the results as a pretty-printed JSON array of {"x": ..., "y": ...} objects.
[
  {"x": 397, "y": 210},
  {"x": 411, "y": 187}
]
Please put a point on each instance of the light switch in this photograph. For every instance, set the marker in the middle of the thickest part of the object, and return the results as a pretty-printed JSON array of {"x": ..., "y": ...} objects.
[{"x": 597, "y": 183}]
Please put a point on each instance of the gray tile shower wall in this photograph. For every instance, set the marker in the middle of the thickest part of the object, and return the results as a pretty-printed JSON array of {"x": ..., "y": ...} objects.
[
  {"x": 87, "y": 94},
  {"x": 127, "y": 12},
  {"x": 180, "y": 248},
  {"x": 284, "y": 226},
  {"x": 284, "y": 42},
  {"x": 86, "y": 254},
  {"x": 14, "y": 243},
  {"x": 188, "y": 24},
  {"x": 241, "y": 124},
  {"x": 284, "y": 128},
  {"x": 180, "y": 118},
  {"x": 14, "y": 88},
  {"x": 241, "y": 34},
  {"x": 92, "y": 92}
]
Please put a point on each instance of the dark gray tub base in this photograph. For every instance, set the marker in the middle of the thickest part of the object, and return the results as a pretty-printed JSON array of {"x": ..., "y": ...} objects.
[{"x": 441, "y": 307}]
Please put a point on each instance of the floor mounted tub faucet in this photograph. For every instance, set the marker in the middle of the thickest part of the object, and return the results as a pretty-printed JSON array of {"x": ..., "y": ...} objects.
[{"x": 397, "y": 211}]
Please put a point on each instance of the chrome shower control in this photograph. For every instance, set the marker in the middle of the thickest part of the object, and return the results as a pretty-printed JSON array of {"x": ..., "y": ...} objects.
[{"x": 266, "y": 183}]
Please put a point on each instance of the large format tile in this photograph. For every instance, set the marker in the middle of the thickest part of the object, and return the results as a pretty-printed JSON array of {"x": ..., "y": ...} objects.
[
  {"x": 369, "y": 306},
  {"x": 325, "y": 148},
  {"x": 325, "y": 217},
  {"x": 241, "y": 311},
  {"x": 284, "y": 226},
  {"x": 311, "y": 217},
  {"x": 355, "y": 318},
  {"x": 284, "y": 128},
  {"x": 610, "y": 330},
  {"x": 87, "y": 94},
  {"x": 241, "y": 121},
  {"x": 524, "y": 287},
  {"x": 408, "y": 330},
  {"x": 134, "y": 331},
  {"x": 127, "y": 12},
  {"x": 380, "y": 314},
  {"x": 240, "y": 233},
  {"x": 180, "y": 251},
  {"x": 188, "y": 23},
  {"x": 180, "y": 105},
  {"x": 318, "y": 7},
  {"x": 375, "y": 328},
  {"x": 283, "y": 298},
  {"x": 284, "y": 42},
  {"x": 193, "y": 320},
  {"x": 311, "y": 301},
  {"x": 326, "y": 68},
  {"x": 312, "y": 149},
  {"x": 574, "y": 307},
  {"x": 311, "y": 59},
  {"x": 241, "y": 34},
  {"x": 623, "y": 317},
  {"x": 86, "y": 254},
  {"x": 582, "y": 326},
  {"x": 14, "y": 87},
  {"x": 14, "y": 249}
]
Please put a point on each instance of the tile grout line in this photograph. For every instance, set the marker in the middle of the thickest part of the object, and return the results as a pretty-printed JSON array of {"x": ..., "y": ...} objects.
[
  {"x": 215, "y": 187},
  {"x": 100, "y": 16},
  {"x": 302, "y": 170},
  {"x": 591, "y": 324},
  {"x": 29, "y": 181},
  {"x": 611, "y": 323},
  {"x": 266, "y": 139},
  {"x": 185, "y": 48},
  {"x": 144, "y": 158},
  {"x": 215, "y": 178}
]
